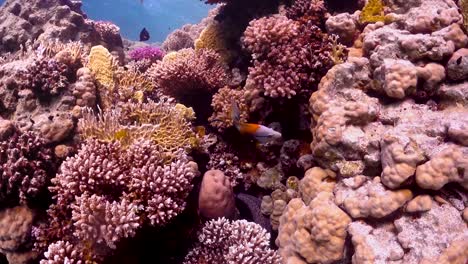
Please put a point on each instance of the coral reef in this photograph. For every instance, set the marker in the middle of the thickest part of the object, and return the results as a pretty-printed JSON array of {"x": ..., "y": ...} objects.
[
  {"x": 100, "y": 150},
  {"x": 116, "y": 187}
]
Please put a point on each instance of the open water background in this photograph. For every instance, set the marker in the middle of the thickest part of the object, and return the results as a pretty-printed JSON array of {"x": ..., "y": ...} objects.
[{"x": 160, "y": 17}]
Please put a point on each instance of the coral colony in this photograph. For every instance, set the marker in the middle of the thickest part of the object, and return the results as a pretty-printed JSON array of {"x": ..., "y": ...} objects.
[{"x": 115, "y": 151}]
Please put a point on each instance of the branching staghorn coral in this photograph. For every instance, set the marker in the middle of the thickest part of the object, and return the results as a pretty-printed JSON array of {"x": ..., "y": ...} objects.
[
  {"x": 189, "y": 72},
  {"x": 105, "y": 193},
  {"x": 240, "y": 242},
  {"x": 26, "y": 166},
  {"x": 165, "y": 123}
]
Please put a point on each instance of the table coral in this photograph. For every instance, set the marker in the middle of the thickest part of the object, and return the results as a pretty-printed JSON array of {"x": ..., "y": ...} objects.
[
  {"x": 312, "y": 234},
  {"x": 222, "y": 241}
]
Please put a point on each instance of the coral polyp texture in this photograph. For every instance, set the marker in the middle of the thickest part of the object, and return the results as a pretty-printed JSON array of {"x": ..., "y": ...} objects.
[{"x": 223, "y": 241}]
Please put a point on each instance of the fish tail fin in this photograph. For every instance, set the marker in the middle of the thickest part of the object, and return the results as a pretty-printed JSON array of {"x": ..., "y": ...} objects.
[{"x": 235, "y": 114}]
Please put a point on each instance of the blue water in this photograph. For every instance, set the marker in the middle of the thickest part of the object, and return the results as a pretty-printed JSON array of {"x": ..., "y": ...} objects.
[{"x": 160, "y": 17}]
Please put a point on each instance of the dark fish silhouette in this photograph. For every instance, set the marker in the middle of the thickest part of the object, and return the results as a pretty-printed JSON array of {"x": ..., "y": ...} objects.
[{"x": 144, "y": 35}]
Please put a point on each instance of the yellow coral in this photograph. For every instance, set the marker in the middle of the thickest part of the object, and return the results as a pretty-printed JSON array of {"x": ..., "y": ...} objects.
[
  {"x": 102, "y": 65},
  {"x": 373, "y": 12},
  {"x": 161, "y": 122},
  {"x": 213, "y": 37},
  {"x": 173, "y": 127},
  {"x": 132, "y": 85}
]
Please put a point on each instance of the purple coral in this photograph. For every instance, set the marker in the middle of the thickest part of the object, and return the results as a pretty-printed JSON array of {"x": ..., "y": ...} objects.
[
  {"x": 26, "y": 165},
  {"x": 240, "y": 242},
  {"x": 106, "y": 192},
  {"x": 150, "y": 53},
  {"x": 46, "y": 76},
  {"x": 289, "y": 56}
]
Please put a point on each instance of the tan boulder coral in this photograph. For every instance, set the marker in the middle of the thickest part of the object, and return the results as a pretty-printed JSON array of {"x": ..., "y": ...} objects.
[
  {"x": 396, "y": 78},
  {"x": 400, "y": 157},
  {"x": 216, "y": 197},
  {"x": 377, "y": 245},
  {"x": 370, "y": 198},
  {"x": 84, "y": 89},
  {"x": 316, "y": 180},
  {"x": 420, "y": 203},
  {"x": 312, "y": 234},
  {"x": 448, "y": 165},
  {"x": 428, "y": 235}
]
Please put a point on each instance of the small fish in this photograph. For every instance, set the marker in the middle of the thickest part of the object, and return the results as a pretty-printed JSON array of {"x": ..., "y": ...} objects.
[
  {"x": 261, "y": 133},
  {"x": 144, "y": 35}
]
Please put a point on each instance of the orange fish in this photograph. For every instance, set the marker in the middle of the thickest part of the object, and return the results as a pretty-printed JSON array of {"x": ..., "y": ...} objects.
[{"x": 261, "y": 133}]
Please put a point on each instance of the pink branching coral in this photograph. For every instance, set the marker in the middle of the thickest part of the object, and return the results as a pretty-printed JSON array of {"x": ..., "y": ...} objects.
[
  {"x": 150, "y": 53},
  {"x": 26, "y": 165},
  {"x": 240, "y": 242},
  {"x": 105, "y": 193},
  {"x": 288, "y": 56},
  {"x": 189, "y": 72},
  {"x": 46, "y": 76}
]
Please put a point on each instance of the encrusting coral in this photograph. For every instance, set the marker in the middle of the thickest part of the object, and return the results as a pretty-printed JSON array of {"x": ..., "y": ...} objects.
[{"x": 242, "y": 242}]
